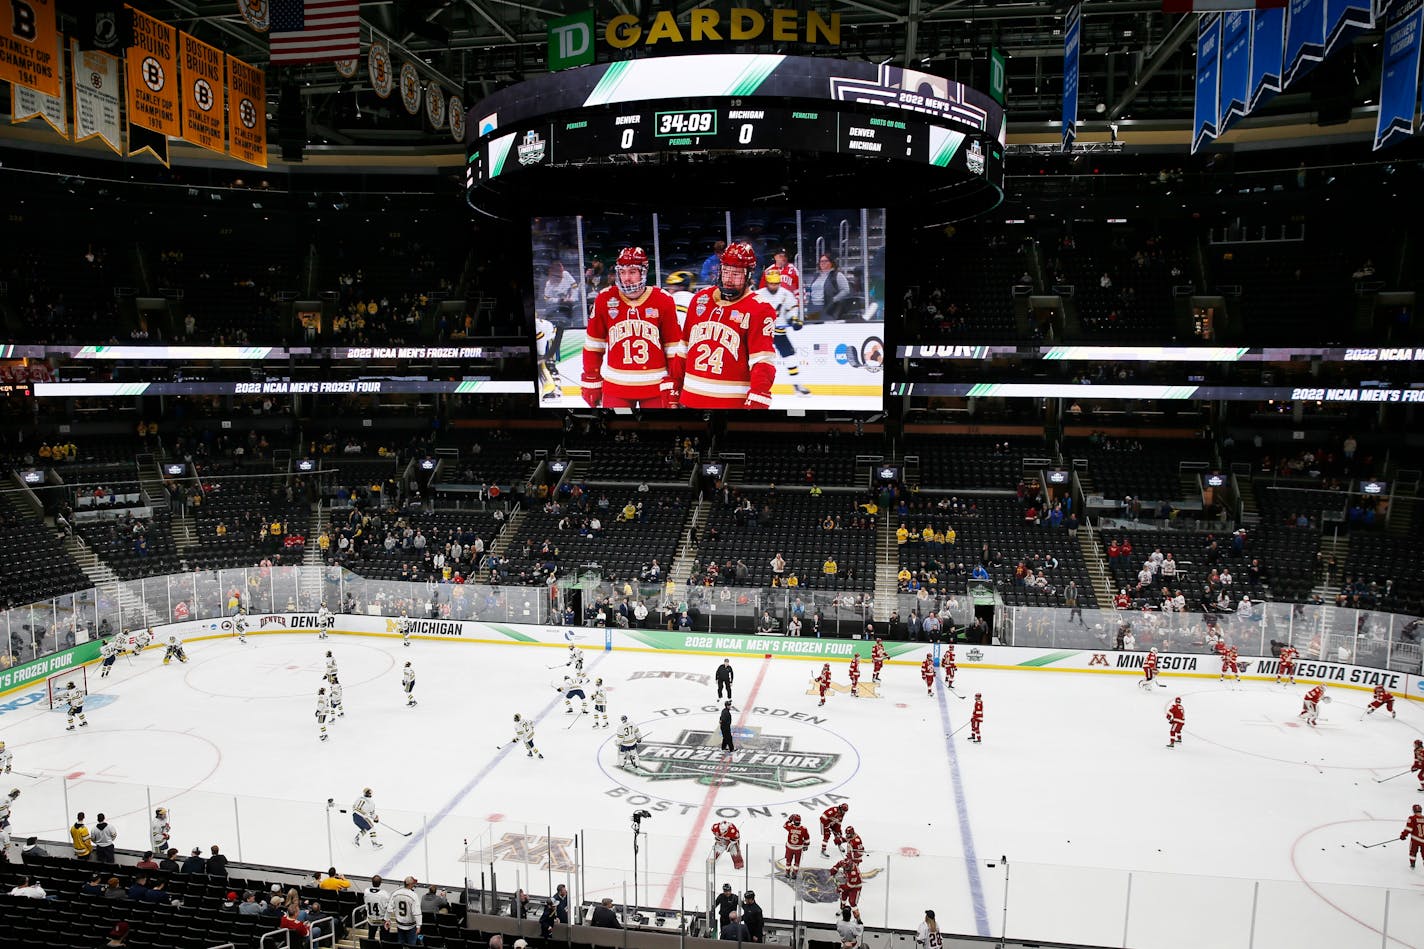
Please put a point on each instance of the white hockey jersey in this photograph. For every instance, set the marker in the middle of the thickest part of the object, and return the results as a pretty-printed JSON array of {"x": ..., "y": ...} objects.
[
  {"x": 600, "y": 697},
  {"x": 629, "y": 735},
  {"x": 408, "y": 677},
  {"x": 323, "y": 706},
  {"x": 784, "y": 302},
  {"x": 74, "y": 698},
  {"x": 524, "y": 731},
  {"x": 366, "y": 807},
  {"x": 158, "y": 829},
  {"x": 335, "y": 694},
  {"x": 109, "y": 650}
]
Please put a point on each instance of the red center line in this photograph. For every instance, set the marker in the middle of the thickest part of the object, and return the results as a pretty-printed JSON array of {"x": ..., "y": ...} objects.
[{"x": 675, "y": 884}]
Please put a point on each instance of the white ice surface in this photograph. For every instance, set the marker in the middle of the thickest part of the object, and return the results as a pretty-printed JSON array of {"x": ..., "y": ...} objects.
[{"x": 1112, "y": 838}]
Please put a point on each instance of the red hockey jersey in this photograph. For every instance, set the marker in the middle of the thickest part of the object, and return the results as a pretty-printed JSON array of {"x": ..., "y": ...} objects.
[
  {"x": 633, "y": 349},
  {"x": 731, "y": 361}
]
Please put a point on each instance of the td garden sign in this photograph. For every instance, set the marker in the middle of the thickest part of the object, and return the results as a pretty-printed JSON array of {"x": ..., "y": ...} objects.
[{"x": 571, "y": 38}]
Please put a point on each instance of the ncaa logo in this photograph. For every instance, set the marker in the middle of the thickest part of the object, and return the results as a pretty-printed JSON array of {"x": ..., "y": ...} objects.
[
  {"x": 153, "y": 76},
  {"x": 203, "y": 95}
]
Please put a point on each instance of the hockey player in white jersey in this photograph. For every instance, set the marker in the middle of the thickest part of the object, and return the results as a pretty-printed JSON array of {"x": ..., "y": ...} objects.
[
  {"x": 324, "y": 621},
  {"x": 174, "y": 651},
  {"x": 403, "y": 626},
  {"x": 600, "y": 703},
  {"x": 364, "y": 816},
  {"x": 240, "y": 624},
  {"x": 575, "y": 658},
  {"x": 7, "y": 758},
  {"x": 337, "y": 709},
  {"x": 330, "y": 675},
  {"x": 788, "y": 317},
  {"x": 160, "y": 830},
  {"x": 628, "y": 736},
  {"x": 323, "y": 711},
  {"x": 5, "y": 803},
  {"x": 74, "y": 699},
  {"x": 110, "y": 652},
  {"x": 573, "y": 688},
  {"x": 408, "y": 683},
  {"x": 524, "y": 731},
  {"x": 141, "y": 640},
  {"x": 546, "y": 337}
]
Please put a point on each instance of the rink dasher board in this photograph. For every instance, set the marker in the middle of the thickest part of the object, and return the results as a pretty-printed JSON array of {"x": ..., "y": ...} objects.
[{"x": 969, "y": 657}]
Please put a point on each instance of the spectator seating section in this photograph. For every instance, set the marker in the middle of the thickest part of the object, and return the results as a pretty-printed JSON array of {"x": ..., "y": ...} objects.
[
  {"x": 248, "y": 507},
  {"x": 785, "y": 459},
  {"x": 439, "y": 528},
  {"x": 1287, "y": 555},
  {"x": 796, "y": 533},
  {"x": 1149, "y": 474},
  {"x": 625, "y": 547},
  {"x": 35, "y": 566},
  {"x": 115, "y": 543},
  {"x": 1138, "y": 305},
  {"x": 1282, "y": 283},
  {"x": 971, "y": 462}
]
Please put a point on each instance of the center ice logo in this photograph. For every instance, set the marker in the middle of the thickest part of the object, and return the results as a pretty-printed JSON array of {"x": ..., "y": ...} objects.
[{"x": 764, "y": 761}]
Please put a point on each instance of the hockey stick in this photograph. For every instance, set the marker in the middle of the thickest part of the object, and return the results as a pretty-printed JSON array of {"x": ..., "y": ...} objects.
[
  {"x": 956, "y": 694},
  {"x": 574, "y": 720},
  {"x": 402, "y": 833},
  {"x": 1393, "y": 776},
  {"x": 958, "y": 730},
  {"x": 24, "y": 774},
  {"x": 1380, "y": 844}
]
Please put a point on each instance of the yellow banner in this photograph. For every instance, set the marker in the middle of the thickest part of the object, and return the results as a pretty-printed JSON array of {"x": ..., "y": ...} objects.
[
  {"x": 247, "y": 92},
  {"x": 152, "y": 71},
  {"x": 203, "y": 122},
  {"x": 27, "y": 46}
]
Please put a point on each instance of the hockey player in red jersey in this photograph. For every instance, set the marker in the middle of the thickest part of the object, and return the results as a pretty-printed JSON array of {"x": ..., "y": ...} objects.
[
  {"x": 855, "y": 675},
  {"x": 949, "y": 666},
  {"x": 726, "y": 838},
  {"x": 731, "y": 360},
  {"x": 1228, "y": 660},
  {"x": 823, "y": 683},
  {"x": 790, "y": 276},
  {"x": 798, "y": 838},
  {"x": 848, "y": 882},
  {"x": 633, "y": 349},
  {"x": 1383, "y": 697},
  {"x": 976, "y": 718},
  {"x": 1287, "y": 666},
  {"x": 1310, "y": 707},
  {"x": 1149, "y": 671},
  {"x": 1418, "y": 766},
  {"x": 831, "y": 819},
  {"x": 1176, "y": 718},
  {"x": 877, "y": 656},
  {"x": 1414, "y": 832},
  {"x": 854, "y": 846},
  {"x": 927, "y": 672}
]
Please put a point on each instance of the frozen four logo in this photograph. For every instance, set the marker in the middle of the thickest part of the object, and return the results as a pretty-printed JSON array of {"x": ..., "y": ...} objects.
[
  {"x": 531, "y": 150},
  {"x": 761, "y": 760}
]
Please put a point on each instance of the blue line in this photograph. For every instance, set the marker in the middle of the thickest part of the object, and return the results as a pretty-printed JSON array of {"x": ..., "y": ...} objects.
[
  {"x": 966, "y": 835},
  {"x": 465, "y": 791}
]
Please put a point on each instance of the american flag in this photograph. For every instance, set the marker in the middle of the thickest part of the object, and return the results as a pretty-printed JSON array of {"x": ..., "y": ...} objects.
[{"x": 315, "y": 31}]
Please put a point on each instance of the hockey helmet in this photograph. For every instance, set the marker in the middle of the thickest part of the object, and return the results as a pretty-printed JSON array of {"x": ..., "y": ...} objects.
[
  {"x": 163, "y": 811},
  {"x": 773, "y": 279},
  {"x": 633, "y": 258},
  {"x": 407, "y": 665},
  {"x": 70, "y": 685},
  {"x": 679, "y": 280},
  {"x": 849, "y": 831},
  {"x": 573, "y": 648},
  {"x": 737, "y": 258},
  {"x": 366, "y": 792},
  {"x": 1177, "y": 700},
  {"x": 796, "y": 819},
  {"x": 978, "y": 695},
  {"x": 1153, "y": 650},
  {"x": 1417, "y": 742},
  {"x": 1418, "y": 808},
  {"x": 597, "y": 681},
  {"x": 172, "y": 639},
  {"x": 14, "y": 793},
  {"x": 328, "y": 654},
  {"x": 321, "y": 691},
  {"x": 516, "y": 716}
]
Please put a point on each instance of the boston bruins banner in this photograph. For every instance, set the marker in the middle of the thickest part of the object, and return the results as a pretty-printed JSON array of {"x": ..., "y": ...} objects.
[
  {"x": 152, "y": 68},
  {"x": 247, "y": 94},
  {"x": 27, "y": 103},
  {"x": 203, "y": 108},
  {"x": 378, "y": 64},
  {"x": 410, "y": 88},
  {"x": 435, "y": 104},
  {"x": 96, "y": 97},
  {"x": 27, "y": 46}
]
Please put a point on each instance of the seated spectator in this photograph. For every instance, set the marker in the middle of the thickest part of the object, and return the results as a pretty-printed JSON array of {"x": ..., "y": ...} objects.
[
  {"x": 249, "y": 905},
  {"x": 290, "y": 921},
  {"x": 195, "y": 862},
  {"x": 146, "y": 862},
  {"x": 434, "y": 901},
  {"x": 334, "y": 881},
  {"x": 830, "y": 568},
  {"x": 113, "y": 890},
  {"x": 27, "y": 887}
]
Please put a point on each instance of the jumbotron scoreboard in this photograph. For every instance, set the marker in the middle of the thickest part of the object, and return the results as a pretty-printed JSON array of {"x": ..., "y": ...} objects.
[{"x": 940, "y": 135}]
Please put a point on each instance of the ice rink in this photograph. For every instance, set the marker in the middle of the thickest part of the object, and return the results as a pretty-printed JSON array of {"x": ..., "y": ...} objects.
[{"x": 1111, "y": 838}]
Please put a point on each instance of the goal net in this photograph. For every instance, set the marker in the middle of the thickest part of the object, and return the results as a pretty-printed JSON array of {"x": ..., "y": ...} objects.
[{"x": 56, "y": 686}]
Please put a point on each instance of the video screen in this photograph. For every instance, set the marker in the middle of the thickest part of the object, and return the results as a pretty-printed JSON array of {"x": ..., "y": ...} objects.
[{"x": 711, "y": 309}]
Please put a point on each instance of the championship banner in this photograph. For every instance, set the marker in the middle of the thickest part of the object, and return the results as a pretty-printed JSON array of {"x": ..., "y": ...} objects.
[
  {"x": 152, "y": 73},
  {"x": 1345, "y": 19},
  {"x": 1399, "y": 76},
  {"x": 1071, "y": 32},
  {"x": 1208, "y": 54},
  {"x": 457, "y": 118},
  {"x": 27, "y": 46},
  {"x": 204, "y": 109},
  {"x": 27, "y": 103},
  {"x": 96, "y": 97},
  {"x": 1235, "y": 87},
  {"x": 1268, "y": 43},
  {"x": 247, "y": 95},
  {"x": 1305, "y": 39}
]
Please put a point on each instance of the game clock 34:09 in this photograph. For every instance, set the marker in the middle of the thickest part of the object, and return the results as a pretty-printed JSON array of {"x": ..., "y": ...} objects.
[{"x": 685, "y": 122}]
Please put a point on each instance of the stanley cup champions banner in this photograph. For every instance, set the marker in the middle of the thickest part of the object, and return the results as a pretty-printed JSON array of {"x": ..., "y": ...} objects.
[
  {"x": 28, "y": 46},
  {"x": 204, "y": 113},
  {"x": 27, "y": 103},
  {"x": 152, "y": 74},
  {"x": 96, "y": 97},
  {"x": 1071, "y": 24},
  {"x": 1399, "y": 77},
  {"x": 247, "y": 96},
  {"x": 1208, "y": 56}
]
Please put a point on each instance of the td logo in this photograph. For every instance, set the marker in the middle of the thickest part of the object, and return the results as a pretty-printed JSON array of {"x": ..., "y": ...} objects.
[{"x": 571, "y": 41}]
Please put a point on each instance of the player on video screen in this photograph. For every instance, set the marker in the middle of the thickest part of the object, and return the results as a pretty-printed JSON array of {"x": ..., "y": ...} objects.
[
  {"x": 546, "y": 343},
  {"x": 788, "y": 317},
  {"x": 790, "y": 276},
  {"x": 731, "y": 361},
  {"x": 633, "y": 350}
]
